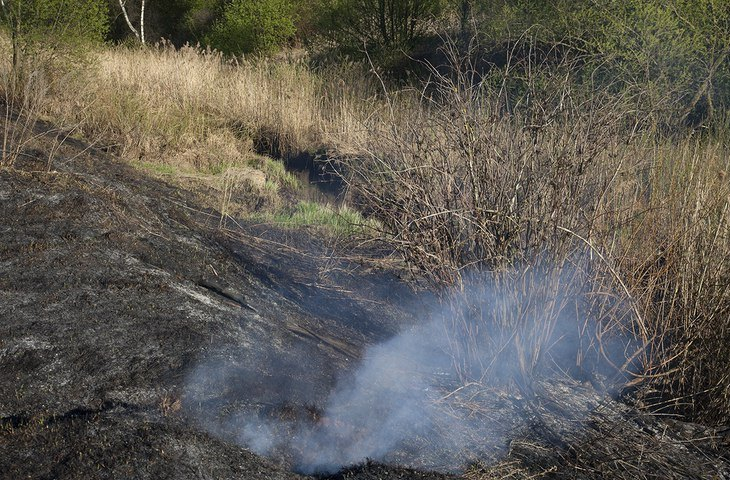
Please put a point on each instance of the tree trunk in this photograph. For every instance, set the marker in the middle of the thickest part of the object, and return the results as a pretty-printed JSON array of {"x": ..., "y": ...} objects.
[
  {"x": 465, "y": 33},
  {"x": 12, "y": 18},
  {"x": 123, "y": 6},
  {"x": 141, "y": 23}
]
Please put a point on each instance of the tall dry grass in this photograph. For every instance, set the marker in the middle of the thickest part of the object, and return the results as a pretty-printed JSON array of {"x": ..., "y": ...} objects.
[
  {"x": 190, "y": 111},
  {"x": 196, "y": 109},
  {"x": 675, "y": 255}
]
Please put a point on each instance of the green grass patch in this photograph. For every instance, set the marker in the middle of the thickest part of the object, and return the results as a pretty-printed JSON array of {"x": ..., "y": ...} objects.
[
  {"x": 334, "y": 220},
  {"x": 157, "y": 168},
  {"x": 275, "y": 172}
]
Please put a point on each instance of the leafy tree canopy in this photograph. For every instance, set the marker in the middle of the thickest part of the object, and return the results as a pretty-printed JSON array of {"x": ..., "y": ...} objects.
[
  {"x": 69, "y": 21},
  {"x": 248, "y": 26}
]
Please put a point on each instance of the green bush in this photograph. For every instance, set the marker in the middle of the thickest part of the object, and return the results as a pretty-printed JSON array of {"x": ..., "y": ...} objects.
[
  {"x": 670, "y": 56},
  {"x": 67, "y": 22},
  {"x": 248, "y": 26}
]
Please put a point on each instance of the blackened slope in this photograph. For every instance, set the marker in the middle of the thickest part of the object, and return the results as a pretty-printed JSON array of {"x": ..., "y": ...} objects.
[
  {"x": 376, "y": 471},
  {"x": 114, "y": 290},
  {"x": 119, "y": 443}
]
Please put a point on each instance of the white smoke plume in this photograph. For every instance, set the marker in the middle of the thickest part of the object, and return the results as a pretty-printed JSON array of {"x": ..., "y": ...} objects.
[{"x": 403, "y": 404}]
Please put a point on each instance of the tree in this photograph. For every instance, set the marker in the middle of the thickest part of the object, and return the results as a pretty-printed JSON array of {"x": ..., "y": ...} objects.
[
  {"x": 379, "y": 24},
  {"x": 248, "y": 26},
  {"x": 706, "y": 24},
  {"x": 671, "y": 53},
  {"x": 52, "y": 24},
  {"x": 670, "y": 56}
]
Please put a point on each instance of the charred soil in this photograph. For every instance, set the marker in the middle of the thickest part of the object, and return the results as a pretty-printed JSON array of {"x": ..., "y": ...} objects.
[{"x": 130, "y": 322}]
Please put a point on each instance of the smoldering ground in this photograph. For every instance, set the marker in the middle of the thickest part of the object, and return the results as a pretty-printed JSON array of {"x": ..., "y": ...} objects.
[{"x": 410, "y": 401}]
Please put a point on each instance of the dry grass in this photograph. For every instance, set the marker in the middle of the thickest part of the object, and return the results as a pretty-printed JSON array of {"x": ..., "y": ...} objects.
[
  {"x": 192, "y": 113},
  {"x": 194, "y": 108},
  {"x": 675, "y": 255}
]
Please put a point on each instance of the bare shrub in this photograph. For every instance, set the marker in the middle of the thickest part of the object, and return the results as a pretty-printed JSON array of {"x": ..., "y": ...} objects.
[
  {"x": 477, "y": 184},
  {"x": 18, "y": 102},
  {"x": 567, "y": 233},
  {"x": 29, "y": 82}
]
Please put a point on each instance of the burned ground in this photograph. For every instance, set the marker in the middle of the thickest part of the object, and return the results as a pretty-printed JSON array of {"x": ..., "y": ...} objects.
[{"x": 130, "y": 324}]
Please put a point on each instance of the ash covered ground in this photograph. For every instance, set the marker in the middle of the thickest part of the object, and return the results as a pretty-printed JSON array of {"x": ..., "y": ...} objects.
[{"x": 139, "y": 340}]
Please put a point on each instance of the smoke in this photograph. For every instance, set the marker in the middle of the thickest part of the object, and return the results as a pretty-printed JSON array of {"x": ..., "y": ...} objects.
[
  {"x": 386, "y": 404},
  {"x": 405, "y": 403}
]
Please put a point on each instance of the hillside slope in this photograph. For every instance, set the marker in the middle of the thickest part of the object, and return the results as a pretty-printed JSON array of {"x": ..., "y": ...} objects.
[{"x": 114, "y": 287}]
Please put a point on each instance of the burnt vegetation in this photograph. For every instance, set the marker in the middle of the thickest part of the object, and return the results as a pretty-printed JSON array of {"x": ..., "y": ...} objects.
[{"x": 550, "y": 179}]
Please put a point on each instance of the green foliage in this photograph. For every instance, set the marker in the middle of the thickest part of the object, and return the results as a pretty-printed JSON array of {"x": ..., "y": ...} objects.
[
  {"x": 67, "y": 22},
  {"x": 669, "y": 55},
  {"x": 199, "y": 17},
  {"x": 248, "y": 26},
  {"x": 706, "y": 28},
  {"x": 643, "y": 46},
  {"x": 167, "y": 19},
  {"x": 309, "y": 19},
  {"x": 507, "y": 20}
]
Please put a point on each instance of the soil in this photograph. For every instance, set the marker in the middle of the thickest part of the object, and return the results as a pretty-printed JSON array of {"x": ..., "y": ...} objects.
[{"x": 128, "y": 317}]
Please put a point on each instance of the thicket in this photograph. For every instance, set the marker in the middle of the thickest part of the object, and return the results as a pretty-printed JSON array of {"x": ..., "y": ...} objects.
[
  {"x": 670, "y": 55},
  {"x": 247, "y": 27}
]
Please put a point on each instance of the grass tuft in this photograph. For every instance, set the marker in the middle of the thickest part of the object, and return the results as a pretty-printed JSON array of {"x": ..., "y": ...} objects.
[{"x": 337, "y": 221}]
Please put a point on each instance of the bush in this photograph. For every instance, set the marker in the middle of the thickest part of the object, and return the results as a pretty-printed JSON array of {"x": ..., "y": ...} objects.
[
  {"x": 389, "y": 24},
  {"x": 253, "y": 26},
  {"x": 563, "y": 239},
  {"x": 55, "y": 22}
]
